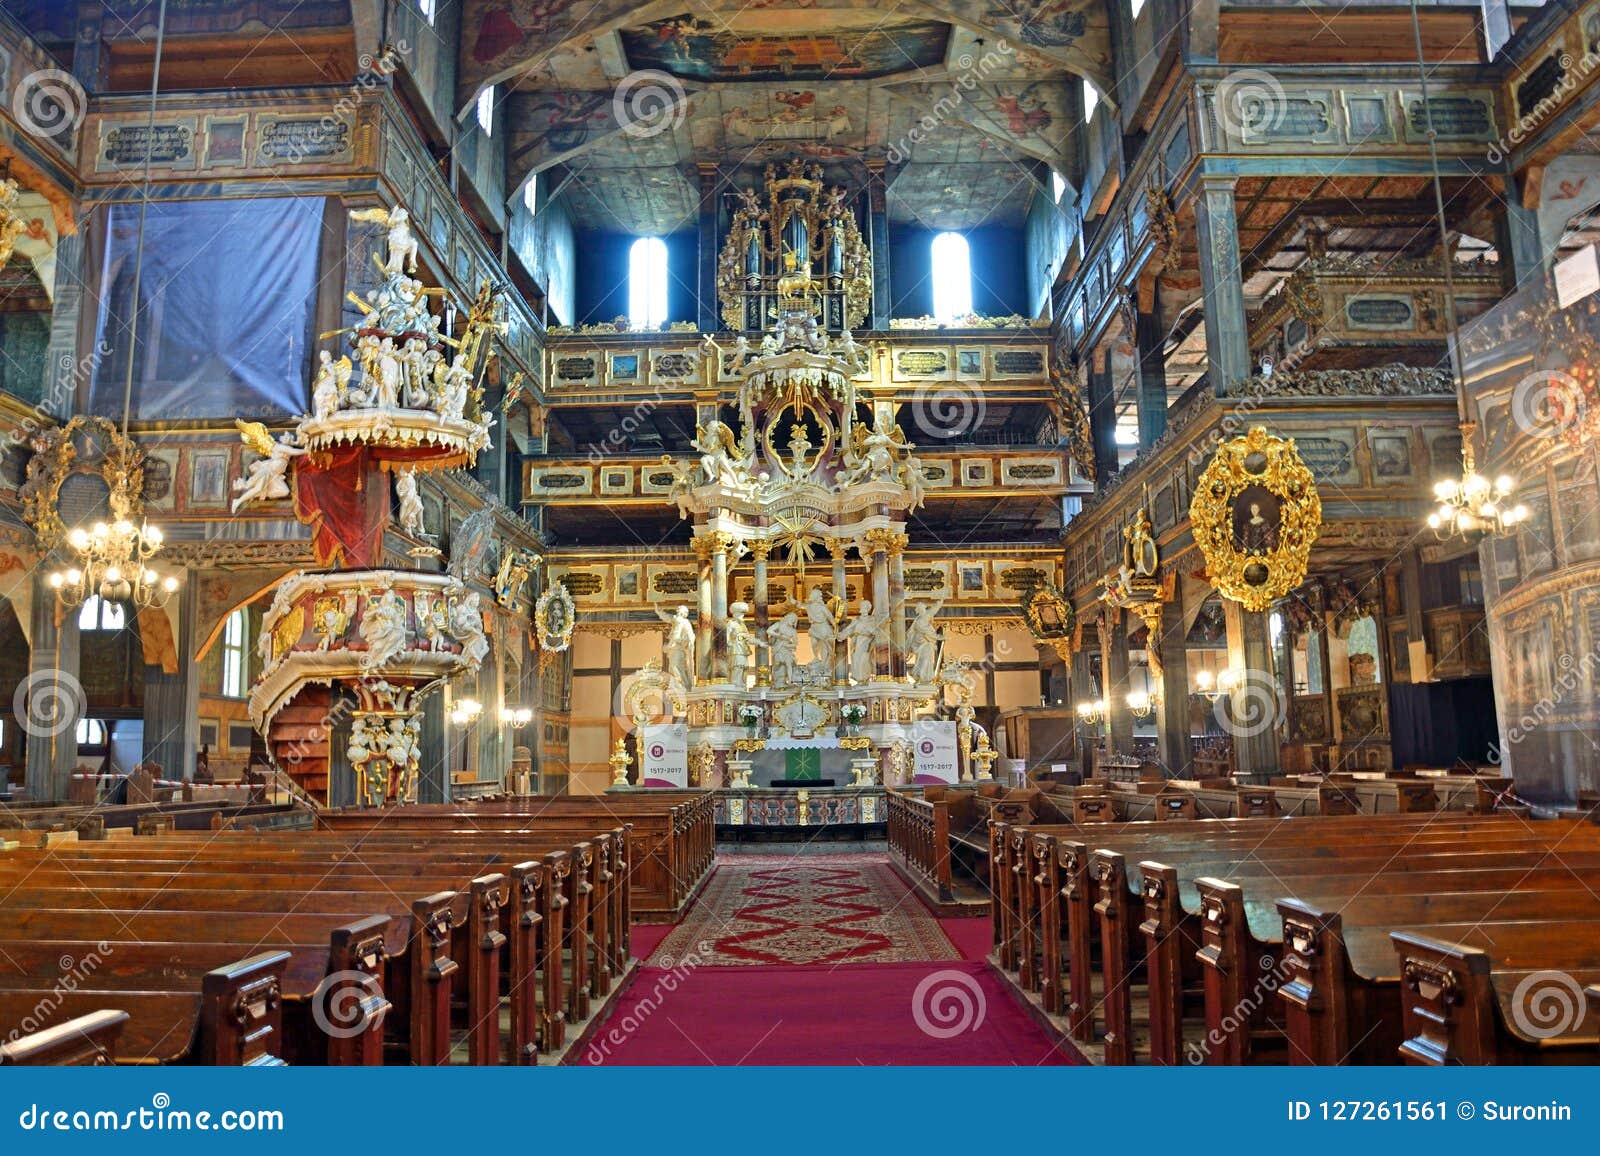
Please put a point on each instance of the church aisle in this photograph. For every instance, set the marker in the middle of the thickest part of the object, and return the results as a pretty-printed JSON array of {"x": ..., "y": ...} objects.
[{"x": 817, "y": 960}]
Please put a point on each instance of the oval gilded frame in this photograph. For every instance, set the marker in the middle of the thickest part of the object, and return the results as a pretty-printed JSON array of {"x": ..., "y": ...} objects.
[
  {"x": 1255, "y": 577},
  {"x": 559, "y": 638}
]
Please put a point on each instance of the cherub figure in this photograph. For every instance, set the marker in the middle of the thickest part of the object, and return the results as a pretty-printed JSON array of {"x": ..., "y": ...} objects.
[{"x": 267, "y": 480}]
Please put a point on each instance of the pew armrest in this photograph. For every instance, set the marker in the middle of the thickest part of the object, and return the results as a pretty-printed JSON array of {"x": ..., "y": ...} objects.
[{"x": 88, "y": 1041}]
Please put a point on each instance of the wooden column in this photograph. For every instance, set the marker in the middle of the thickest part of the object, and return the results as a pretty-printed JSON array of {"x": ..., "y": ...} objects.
[
  {"x": 51, "y": 716},
  {"x": 1217, "y": 235},
  {"x": 1172, "y": 718},
  {"x": 708, "y": 250},
  {"x": 1102, "y": 417},
  {"x": 171, "y": 728},
  {"x": 1148, "y": 336},
  {"x": 1082, "y": 689},
  {"x": 1254, "y": 714},
  {"x": 1114, "y": 683},
  {"x": 877, "y": 542},
  {"x": 878, "y": 241}
]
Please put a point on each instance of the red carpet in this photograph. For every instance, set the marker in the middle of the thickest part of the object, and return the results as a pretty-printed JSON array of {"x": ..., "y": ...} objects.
[
  {"x": 973, "y": 938},
  {"x": 816, "y": 960},
  {"x": 822, "y": 909},
  {"x": 893, "y": 1013}
]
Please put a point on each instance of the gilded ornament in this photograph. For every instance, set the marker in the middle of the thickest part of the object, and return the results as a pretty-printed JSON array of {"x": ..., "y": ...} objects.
[
  {"x": 1255, "y": 516},
  {"x": 554, "y": 617}
]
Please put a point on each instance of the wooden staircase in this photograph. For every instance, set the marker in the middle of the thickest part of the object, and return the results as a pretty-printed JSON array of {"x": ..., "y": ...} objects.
[{"x": 299, "y": 740}]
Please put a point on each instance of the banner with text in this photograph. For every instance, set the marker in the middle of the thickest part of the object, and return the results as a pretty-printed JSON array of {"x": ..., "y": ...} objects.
[
  {"x": 933, "y": 746},
  {"x": 664, "y": 755}
]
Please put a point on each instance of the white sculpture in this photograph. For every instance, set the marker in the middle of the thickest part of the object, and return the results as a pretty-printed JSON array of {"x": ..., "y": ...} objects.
[
  {"x": 402, "y": 747},
  {"x": 822, "y": 630},
  {"x": 327, "y": 391},
  {"x": 361, "y": 753},
  {"x": 402, "y": 243},
  {"x": 679, "y": 648},
  {"x": 466, "y": 625},
  {"x": 922, "y": 643},
  {"x": 405, "y": 488},
  {"x": 719, "y": 453},
  {"x": 457, "y": 383},
  {"x": 383, "y": 629},
  {"x": 268, "y": 480},
  {"x": 861, "y": 635},
  {"x": 783, "y": 639},
  {"x": 738, "y": 636},
  {"x": 873, "y": 457}
]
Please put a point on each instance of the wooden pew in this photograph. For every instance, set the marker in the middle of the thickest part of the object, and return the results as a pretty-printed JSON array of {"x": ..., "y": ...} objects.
[
  {"x": 396, "y": 869},
  {"x": 231, "y": 1017},
  {"x": 1062, "y": 867}
]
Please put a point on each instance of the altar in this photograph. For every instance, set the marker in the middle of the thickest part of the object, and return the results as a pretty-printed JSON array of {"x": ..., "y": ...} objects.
[{"x": 793, "y": 761}]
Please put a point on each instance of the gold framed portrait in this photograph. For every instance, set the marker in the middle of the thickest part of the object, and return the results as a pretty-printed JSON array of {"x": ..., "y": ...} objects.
[
  {"x": 554, "y": 616},
  {"x": 1255, "y": 516}
]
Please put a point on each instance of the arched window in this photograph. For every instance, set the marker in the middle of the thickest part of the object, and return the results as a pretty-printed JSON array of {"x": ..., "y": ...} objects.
[
  {"x": 952, "y": 277},
  {"x": 486, "y": 111},
  {"x": 98, "y": 614},
  {"x": 647, "y": 283},
  {"x": 234, "y": 641}
]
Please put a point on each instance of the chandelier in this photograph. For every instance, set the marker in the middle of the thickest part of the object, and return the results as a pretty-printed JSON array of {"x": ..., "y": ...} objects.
[
  {"x": 1473, "y": 507},
  {"x": 112, "y": 558},
  {"x": 111, "y": 562}
]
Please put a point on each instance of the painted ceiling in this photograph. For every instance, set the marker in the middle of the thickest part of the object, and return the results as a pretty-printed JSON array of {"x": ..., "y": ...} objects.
[{"x": 626, "y": 105}]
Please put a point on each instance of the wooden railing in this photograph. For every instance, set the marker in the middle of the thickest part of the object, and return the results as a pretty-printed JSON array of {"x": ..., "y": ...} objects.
[{"x": 919, "y": 838}]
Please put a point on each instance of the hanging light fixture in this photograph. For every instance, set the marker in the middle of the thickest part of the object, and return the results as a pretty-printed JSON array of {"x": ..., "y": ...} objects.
[
  {"x": 1092, "y": 712},
  {"x": 1474, "y": 507},
  {"x": 113, "y": 557},
  {"x": 1471, "y": 507}
]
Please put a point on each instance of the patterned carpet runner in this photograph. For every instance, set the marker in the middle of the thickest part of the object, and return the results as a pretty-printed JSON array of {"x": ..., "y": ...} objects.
[{"x": 826, "y": 909}]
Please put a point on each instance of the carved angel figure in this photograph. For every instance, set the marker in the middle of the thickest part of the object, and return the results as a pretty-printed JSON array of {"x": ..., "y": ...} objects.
[
  {"x": 783, "y": 639},
  {"x": 405, "y": 488},
  {"x": 720, "y": 459},
  {"x": 466, "y": 626},
  {"x": 922, "y": 642},
  {"x": 875, "y": 451},
  {"x": 402, "y": 243},
  {"x": 383, "y": 629},
  {"x": 457, "y": 383},
  {"x": 678, "y": 649},
  {"x": 267, "y": 480}
]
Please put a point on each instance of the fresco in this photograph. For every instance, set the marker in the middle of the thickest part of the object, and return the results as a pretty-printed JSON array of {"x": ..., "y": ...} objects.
[
  {"x": 708, "y": 50},
  {"x": 498, "y": 35}
]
